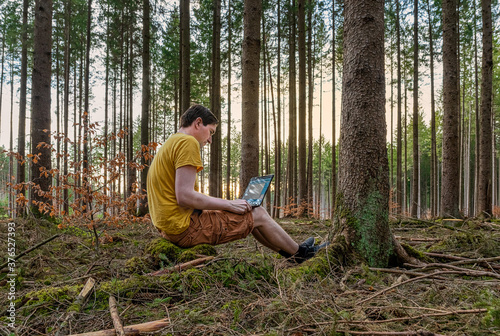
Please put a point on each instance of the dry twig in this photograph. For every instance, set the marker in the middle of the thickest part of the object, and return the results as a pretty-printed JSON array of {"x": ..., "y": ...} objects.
[{"x": 113, "y": 310}]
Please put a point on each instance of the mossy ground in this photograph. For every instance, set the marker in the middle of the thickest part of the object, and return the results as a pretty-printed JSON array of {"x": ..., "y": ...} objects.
[{"x": 246, "y": 289}]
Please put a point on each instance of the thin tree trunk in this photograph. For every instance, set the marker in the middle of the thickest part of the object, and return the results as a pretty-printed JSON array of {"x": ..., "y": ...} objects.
[
  {"x": 229, "y": 81},
  {"x": 334, "y": 112},
  {"x": 416, "y": 164},
  {"x": 484, "y": 204},
  {"x": 21, "y": 135},
  {"x": 185, "y": 82},
  {"x": 450, "y": 187},
  {"x": 41, "y": 118},
  {"x": 399, "y": 150},
  {"x": 215, "y": 185},
  {"x": 146, "y": 103},
  {"x": 310, "y": 186},
  {"x": 433, "y": 121},
  {"x": 302, "y": 177},
  {"x": 250, "y": 92}
]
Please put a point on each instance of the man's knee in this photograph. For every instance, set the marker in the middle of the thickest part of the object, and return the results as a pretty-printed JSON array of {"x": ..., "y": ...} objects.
[{"x": 259, "y": 215}]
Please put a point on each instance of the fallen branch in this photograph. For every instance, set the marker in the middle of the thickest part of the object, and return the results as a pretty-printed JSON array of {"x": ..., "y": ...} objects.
[
  {"x": 400, "y": 319},
  {"x": 79, "y": 302},
  {"x": 136, "y": 329},
  {"x": 389, "y": 333},
  {"x": 482, "y": 261},
  {"x": 465, "y": 271},
  {"x": 398, "y": 271},
  {"x": 405, "y": 282},
  {"x": 29, "y": 250},
  {"x": 115, "y": 317},
  {"x": 181, "y": 267}
]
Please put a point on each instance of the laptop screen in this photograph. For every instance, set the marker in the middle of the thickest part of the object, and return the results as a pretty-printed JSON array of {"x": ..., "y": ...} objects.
[{"x": 257, "y": 189}]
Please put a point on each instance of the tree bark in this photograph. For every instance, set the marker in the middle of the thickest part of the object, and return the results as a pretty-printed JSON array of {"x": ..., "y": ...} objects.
[
  {"x": 146, "y": 103},
  {"x": 185, "y": 54},
  {"x": 41, "y": 114},
  {"x": 484, "y": 202},
  {"x": 250, "y": 92},
  {"x": 416, "y": 173},
  {"x": 302, "y": 177},
  {"x": 363, "y": 200},
  {"x": 21, "y": 135},
  {"x": 215, "y": 185},
  {"x": 450, "y": 185}
]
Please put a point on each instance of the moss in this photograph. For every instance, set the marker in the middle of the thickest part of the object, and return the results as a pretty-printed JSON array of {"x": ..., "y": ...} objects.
[
  {"x": 365, "y": 227},
  {"x": 413, "y": 252},
  {"x": 165, "y": 248},
  {"x": 54, "y": 294},
  {"x": 479, "y": 242},
  {"x": 194, "y": 252},
  {"x": 137, "y": 265}
]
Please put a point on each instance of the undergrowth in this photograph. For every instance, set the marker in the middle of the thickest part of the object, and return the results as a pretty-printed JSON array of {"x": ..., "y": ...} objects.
[{"x": 246, "y": 289}]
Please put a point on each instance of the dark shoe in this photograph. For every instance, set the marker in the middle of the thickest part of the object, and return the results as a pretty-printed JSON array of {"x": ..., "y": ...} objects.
[
  {"x": 307, "y": 252},
  {"x": 309, "y": 242}
]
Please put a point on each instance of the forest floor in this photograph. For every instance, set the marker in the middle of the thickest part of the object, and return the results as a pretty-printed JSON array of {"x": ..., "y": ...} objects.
[{"x": 247, "y": 290}]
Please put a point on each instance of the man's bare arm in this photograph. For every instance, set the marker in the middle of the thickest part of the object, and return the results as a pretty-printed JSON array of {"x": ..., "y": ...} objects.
[{"x": 185, "y": 178}]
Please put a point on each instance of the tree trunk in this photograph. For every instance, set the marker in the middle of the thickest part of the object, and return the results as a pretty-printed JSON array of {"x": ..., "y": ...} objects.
[
  {"x": 334, "y": 112},
  {"x": 302, "y": 177},
  {"x": 292, "y": 110},
  {"x": 450, "y": 185},
  {"x": 310, "y": 85},
  {"x": 146, "y": 98},
  {"x": 277, "y": 168},
  {"x": 484, "y": 204},
  {"x": 21, "y": 135},
  {"x": 185, "y": 64},
  {"x": 86, "y": 116},
  {"x": 229, "y": 71},
  {"x": 215, "y": 185},
  {"x": 40, "y": 116},
  {"x": 399, "y": 149},
  {"x": 415, "y": 180},
  {"x": 250, "y": 92},
  {"x": 363, "y": 200},
  {"x": 433, "y": 197}
]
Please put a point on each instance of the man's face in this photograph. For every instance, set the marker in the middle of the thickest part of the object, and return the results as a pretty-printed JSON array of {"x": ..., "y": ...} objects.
[{"x": 204, "y": 133}]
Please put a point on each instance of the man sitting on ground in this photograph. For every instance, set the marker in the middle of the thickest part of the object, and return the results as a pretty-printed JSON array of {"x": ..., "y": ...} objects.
[{"x": 186, "y": 217}]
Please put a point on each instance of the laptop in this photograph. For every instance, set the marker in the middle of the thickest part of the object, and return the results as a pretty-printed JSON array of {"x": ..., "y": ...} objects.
[{"x": 257, "y": 189}]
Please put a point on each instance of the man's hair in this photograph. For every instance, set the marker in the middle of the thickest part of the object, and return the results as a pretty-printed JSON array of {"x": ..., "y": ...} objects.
[{"x": 195, "y": 112}]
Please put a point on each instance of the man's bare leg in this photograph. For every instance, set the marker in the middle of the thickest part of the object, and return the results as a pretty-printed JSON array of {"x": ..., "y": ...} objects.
[{"x": 271, "y": 234}]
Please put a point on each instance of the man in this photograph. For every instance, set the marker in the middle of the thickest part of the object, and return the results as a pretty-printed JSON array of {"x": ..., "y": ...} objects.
[{"x": 187, "y": 217}]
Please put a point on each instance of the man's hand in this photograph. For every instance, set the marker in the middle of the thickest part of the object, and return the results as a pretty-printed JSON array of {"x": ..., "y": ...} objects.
[{"x": 239, "y": 206}]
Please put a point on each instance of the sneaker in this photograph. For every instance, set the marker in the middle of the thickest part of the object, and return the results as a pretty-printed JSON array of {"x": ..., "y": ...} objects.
[
  {"x": 307, "y": 252},
  {"x": 309, "y": 242}
]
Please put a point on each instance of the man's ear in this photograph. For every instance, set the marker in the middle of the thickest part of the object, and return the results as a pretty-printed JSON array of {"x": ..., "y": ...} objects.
[{"x": 198, "y": 122}]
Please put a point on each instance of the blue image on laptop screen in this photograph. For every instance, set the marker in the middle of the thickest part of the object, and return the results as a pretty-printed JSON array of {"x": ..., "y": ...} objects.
[{"x": 256, "y": 190}]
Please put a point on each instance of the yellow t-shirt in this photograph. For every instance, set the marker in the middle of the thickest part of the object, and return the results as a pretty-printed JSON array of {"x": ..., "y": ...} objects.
[{"x": 178, "y": 151}]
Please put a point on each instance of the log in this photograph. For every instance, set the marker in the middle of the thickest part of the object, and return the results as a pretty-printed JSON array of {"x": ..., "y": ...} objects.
[
  {"x": 115, "y": 317},
  {"x": 79, "y": 302},
  {"x": 181, "y": 267},
  {"x": 137, "y": 329}
]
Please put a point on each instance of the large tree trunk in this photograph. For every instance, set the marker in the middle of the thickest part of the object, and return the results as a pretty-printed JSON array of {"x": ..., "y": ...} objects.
[
  {"x": 484, "y": 202},
  {"x": 450, "y": 185},
  {"x": 229, "y": 71},
  {"x": 40, "y": 116},
  {"x": 363, "y": 200},
  {"x": 250, "y": 92},
  {"x": 146, "y": 98},
  {"x": 215, "y": 185}
]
